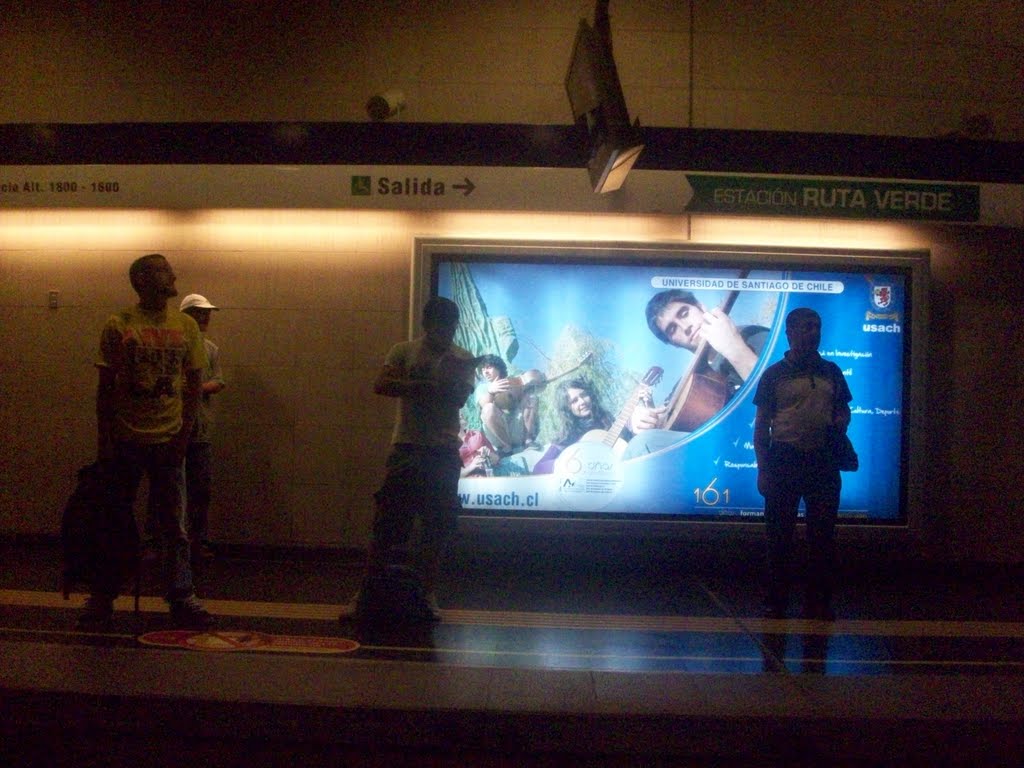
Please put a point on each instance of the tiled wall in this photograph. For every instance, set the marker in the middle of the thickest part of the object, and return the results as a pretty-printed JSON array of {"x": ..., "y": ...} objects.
[
  {"x": 305, "y": 321},
  {"x": 313, "y": 299},
  {"x": 886, "y": 67}
]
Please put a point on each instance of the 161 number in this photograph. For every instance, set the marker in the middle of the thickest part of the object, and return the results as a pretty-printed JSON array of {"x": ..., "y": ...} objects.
[{"x": 709, "y": 496}]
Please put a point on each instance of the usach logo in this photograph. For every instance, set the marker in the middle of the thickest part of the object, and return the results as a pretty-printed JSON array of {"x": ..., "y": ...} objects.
[{"x": 362, "y": 185}]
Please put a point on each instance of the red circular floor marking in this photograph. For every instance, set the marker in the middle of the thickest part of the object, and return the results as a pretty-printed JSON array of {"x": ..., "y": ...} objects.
[{"x": 227, "y": 641}]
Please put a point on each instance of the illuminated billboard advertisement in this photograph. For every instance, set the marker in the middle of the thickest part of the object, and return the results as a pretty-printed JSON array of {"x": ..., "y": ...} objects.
[{"x": 617, "y": 382}]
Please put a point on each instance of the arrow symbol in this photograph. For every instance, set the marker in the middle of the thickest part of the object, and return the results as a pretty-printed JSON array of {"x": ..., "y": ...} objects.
[{"x": 469, "y": 186}]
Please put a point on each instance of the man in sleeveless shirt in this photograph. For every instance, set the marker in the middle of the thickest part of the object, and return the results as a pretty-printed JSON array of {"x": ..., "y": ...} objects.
[{"x": 431, "y": 378}]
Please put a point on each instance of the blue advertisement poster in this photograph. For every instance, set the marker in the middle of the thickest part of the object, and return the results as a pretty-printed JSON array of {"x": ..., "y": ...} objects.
[{"x": 626, "y": 389}]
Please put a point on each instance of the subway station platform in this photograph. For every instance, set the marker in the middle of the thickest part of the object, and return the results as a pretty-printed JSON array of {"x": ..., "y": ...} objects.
[{"x": 592, "y": 656}]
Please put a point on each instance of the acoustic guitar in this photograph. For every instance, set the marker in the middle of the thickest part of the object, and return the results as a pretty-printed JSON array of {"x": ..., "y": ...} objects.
[
  {"x": 531, "y": 380},
  {"x": 611, "y": 437},
  {"x": 589, "y": 473},
  {"x": 702, "y": 391}
]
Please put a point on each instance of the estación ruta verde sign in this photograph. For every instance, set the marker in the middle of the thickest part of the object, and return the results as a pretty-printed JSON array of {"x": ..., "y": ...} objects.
[{"x": 833, "y": 198}]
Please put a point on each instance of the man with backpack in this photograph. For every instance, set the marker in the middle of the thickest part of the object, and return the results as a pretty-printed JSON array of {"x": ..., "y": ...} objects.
[
  {"x": 150, "y": 368},
  {"x": 432, "y": 378},
  {"x": 803, "y": 407}
]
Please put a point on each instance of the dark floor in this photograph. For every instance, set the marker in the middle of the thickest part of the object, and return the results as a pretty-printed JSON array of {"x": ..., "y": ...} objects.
[{"x": 550, "y": 653}]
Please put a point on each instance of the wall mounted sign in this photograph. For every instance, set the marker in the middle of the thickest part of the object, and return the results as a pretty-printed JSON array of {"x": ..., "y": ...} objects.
[
  {"x": 834, "y": 198},
  {"x": 468, "y": 188}
]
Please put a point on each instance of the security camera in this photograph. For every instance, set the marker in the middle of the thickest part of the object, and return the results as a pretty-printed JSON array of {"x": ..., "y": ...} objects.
[{"x": 385, "y": 105}]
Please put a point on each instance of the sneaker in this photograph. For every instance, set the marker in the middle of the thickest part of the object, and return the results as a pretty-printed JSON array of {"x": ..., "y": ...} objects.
[
  {"x": 200, "y": 555},
  {"x": 434, "y": 608},
  {"x": 349, "y": 610},
  {"x": 774, "y": 609},
  {"x": 821, "y": 611},
  {"x": 151, "y": 550},
  {"x": 189, "y": 613},
  {"x": 98, "y": 612}
]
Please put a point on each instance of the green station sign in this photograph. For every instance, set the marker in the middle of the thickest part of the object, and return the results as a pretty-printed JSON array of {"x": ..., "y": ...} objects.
[{"x": 833, "y": 198}]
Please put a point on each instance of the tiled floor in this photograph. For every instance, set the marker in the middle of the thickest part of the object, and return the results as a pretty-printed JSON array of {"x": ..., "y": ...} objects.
[{"x": 619, "y": 659}]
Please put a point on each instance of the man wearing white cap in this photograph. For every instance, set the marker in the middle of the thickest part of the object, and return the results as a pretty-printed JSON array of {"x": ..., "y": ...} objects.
[{"x": 199, "y": 455}]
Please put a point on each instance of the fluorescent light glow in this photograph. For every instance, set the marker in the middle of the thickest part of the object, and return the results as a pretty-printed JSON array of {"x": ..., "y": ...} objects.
[{"x": 374, "y": 233}]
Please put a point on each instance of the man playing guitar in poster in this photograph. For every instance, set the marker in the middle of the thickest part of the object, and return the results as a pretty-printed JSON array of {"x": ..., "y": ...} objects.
[{"x": 725, "y": 354}]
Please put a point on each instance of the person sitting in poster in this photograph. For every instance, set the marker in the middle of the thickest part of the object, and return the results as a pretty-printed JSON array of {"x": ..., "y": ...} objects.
[
  {"x": 677, "y": 318},
  {"x": 508, "y": 407},
  {"x": 476, "y": 452},
  {"x": 579, "y": 412}
]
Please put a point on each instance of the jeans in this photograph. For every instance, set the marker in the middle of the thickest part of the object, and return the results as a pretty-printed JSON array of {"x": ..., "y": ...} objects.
[
  {"x": 198, "y": 462},
  {"x": 194, "y": 492},
  {"x": 794, "y": 475},
  {"x": 125, "y": 471}
]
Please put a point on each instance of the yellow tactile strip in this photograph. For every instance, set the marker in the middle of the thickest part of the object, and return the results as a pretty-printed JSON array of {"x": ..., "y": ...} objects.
[{"x": 577, "y": 621}]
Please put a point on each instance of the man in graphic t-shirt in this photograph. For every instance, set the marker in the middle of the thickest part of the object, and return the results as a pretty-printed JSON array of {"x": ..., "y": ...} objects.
[{"x": 150, "y": 367}]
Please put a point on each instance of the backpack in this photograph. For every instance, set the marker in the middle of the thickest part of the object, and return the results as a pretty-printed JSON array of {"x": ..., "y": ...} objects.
[
  {"x": 844, "y": 455},
  {"x": 394, "y": 595},
  {"x": 99, "y": 545}
]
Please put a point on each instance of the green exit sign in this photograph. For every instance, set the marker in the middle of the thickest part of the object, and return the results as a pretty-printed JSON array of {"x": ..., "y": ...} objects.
[{"x": 362, "y": 185}]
